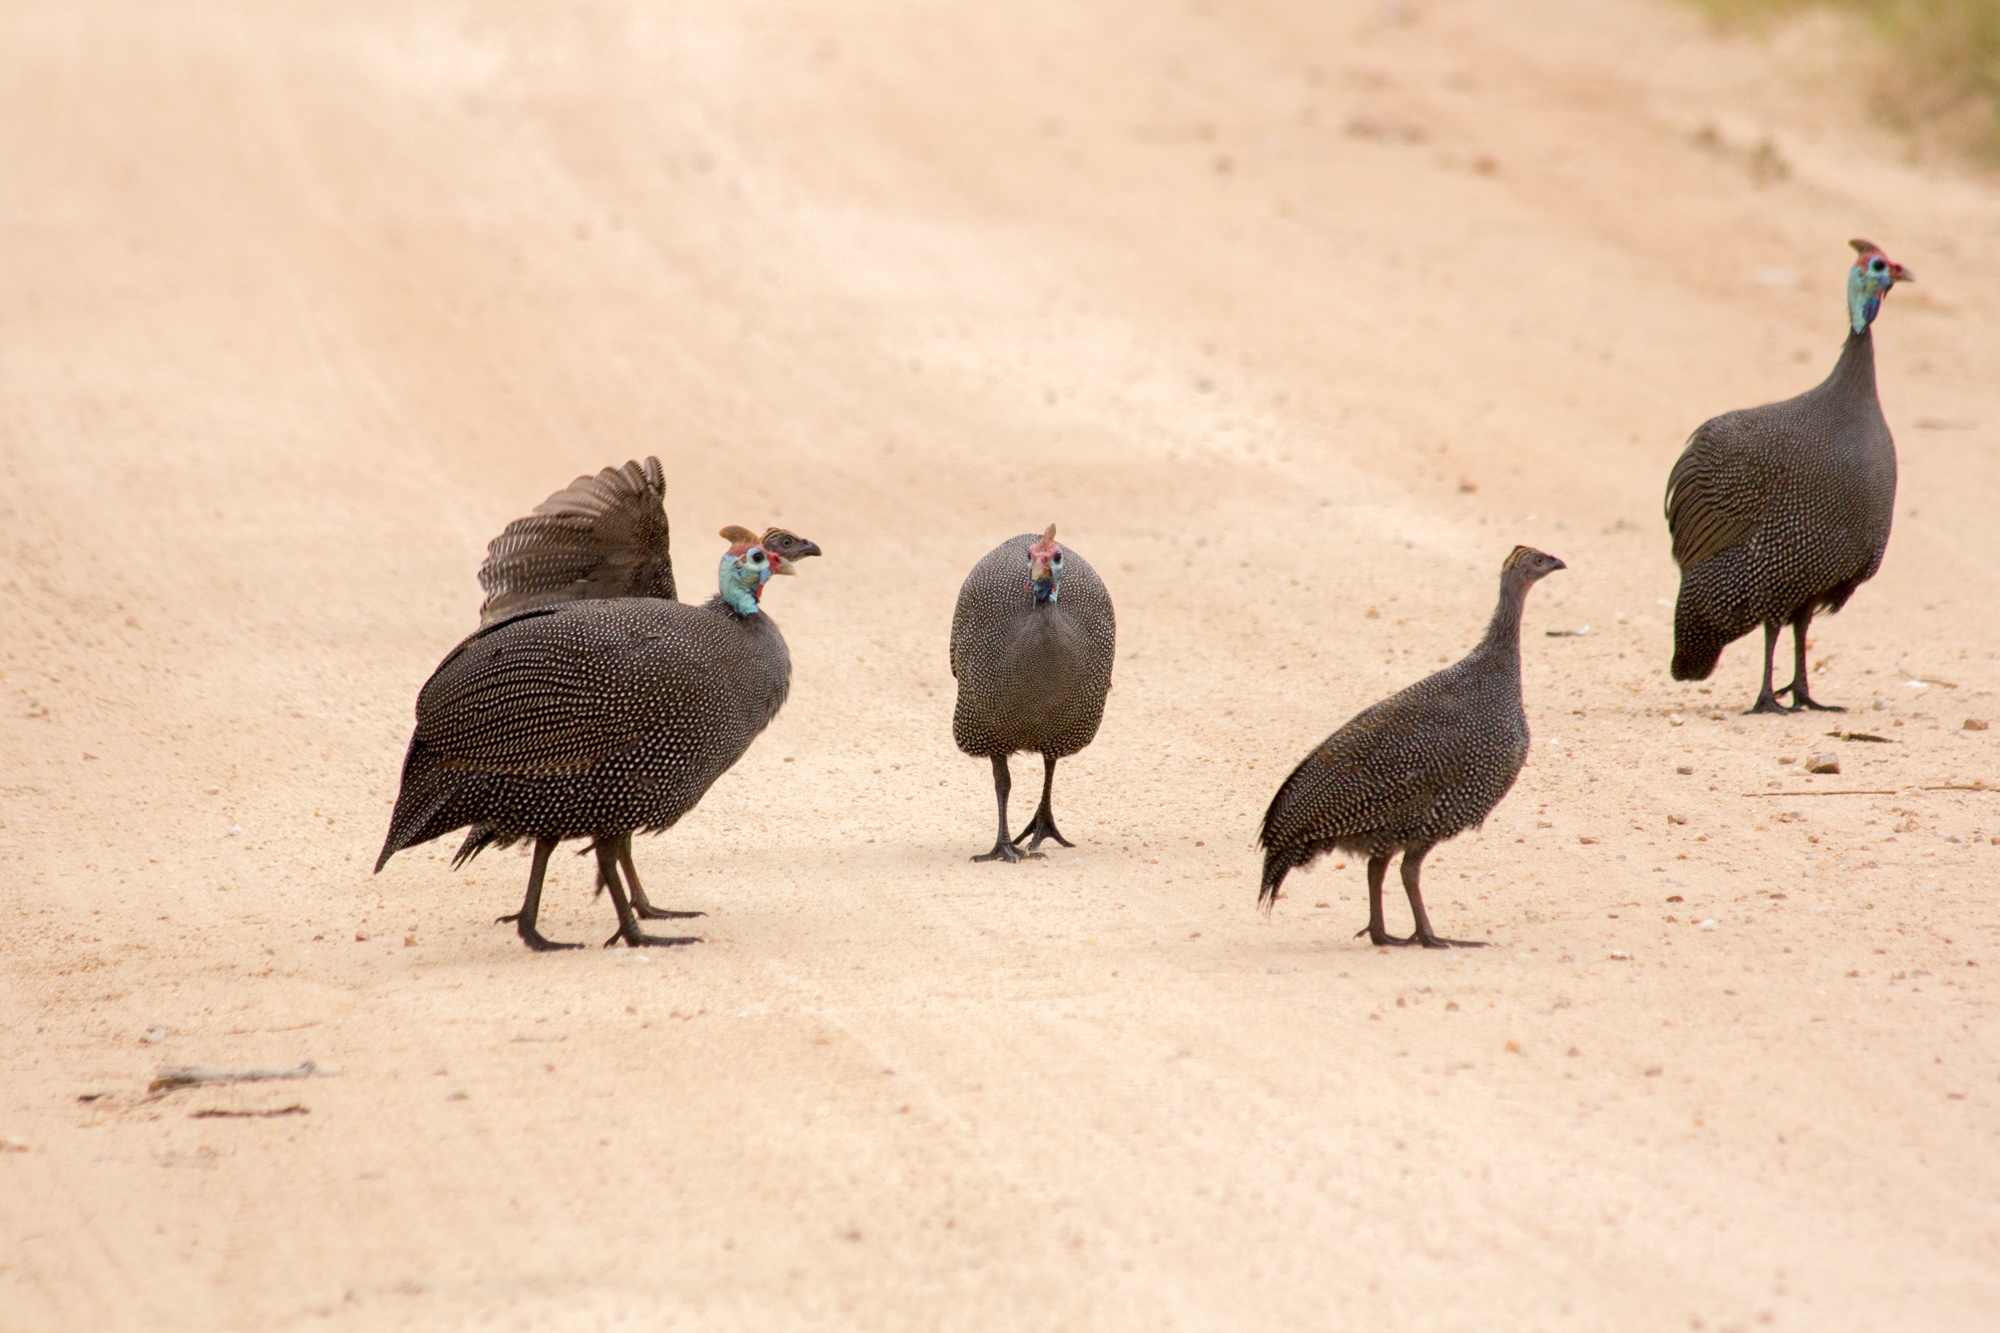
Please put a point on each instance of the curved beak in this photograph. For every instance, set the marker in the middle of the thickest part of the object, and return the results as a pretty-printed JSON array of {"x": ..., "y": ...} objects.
[{"x": 1900, "y": 274}]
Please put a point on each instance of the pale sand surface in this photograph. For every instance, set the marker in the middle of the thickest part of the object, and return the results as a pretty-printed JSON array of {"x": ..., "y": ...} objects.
[{"x": 300, "y": 303}]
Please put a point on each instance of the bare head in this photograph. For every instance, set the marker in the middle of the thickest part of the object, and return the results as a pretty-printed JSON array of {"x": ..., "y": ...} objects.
[
  {"x": 1045, "y": 561},
  {"x": 780, "y": 547},
  {"x": 1529, "y": 565},
  {"x": 1873, "y": 274},
  {"x": 785, "y": 547}
]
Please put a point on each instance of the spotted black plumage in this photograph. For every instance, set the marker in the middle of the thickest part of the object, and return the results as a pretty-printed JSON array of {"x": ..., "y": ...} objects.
[
  {"x": 1416, "y": 769},
  {"x": 1032, "y": 642},
  {"x": 595, "y": 718},
  {"x": 1782, "y": 511}
]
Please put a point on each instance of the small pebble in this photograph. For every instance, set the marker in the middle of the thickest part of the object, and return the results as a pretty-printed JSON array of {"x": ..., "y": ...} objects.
[
  {"x": 153, "y": 1036},
  {"x": 1975, "y": 724},
  {"x": 1823, "y": 762},
  {"x": 1685, "y": 770}
]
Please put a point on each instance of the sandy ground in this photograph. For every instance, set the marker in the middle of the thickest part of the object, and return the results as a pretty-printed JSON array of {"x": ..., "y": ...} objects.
[{"x": 1296, "y": 317}]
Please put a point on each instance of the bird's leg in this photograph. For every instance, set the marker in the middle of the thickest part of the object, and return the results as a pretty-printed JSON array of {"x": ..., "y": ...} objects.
[
  {"x": 628, "y": 923},
  {"x": 1797, "y": 689},
  {"x": 1413, "y": 866},
  {"x": 642, "y": 909},
  {"x": 1767, "y": 698},
  {"x": 1378, "y": 866},
  {"x": 1044, "y": 823},
  {"x": 1003, "y": 850},
  {"x": 531, "y": 906}
]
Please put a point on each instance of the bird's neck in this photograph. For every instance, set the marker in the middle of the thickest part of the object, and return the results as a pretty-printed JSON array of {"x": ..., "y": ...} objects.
[
  {"x": 724, "y": 604},
  {"x": 1503, "y": 632},
  {"x": 1854, "y": 374}
]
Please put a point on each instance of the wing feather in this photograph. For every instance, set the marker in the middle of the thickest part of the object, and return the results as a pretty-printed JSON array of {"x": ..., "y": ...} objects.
[
  {"x": 1722, "y": 484},
  {"x": 553, "y": 693},
  {"x": 601, "y": 536}
]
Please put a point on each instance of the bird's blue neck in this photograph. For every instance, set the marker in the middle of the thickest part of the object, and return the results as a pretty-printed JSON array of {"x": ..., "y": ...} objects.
[
  {"x": 738, "y": 585},
  {"x": 1864, "y": 299}
]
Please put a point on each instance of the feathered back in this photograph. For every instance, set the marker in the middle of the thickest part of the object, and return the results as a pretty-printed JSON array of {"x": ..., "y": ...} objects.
[{"x": 601, "y": 536}]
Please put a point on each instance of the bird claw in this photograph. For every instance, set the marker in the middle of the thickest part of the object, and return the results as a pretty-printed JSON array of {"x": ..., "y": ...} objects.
[
  {"x": 1384, "y": 940},
  {"x": 534, "y": 939},
  {"x": 1043, "y": 830},
  {"x": 1802, "y": 701},
  {"x": 1004, "y": 851},
  {"x": 637, "y": 939}
]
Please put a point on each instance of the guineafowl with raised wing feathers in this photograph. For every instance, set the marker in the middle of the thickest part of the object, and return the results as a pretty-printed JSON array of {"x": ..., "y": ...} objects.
[
  {"x": 1032, "y": 641},
  {"x": 1418, "y": 768},
  {"x": 1782, "y": 511},
  {"x": 593, "y": 719},
  {"x": 601, "y": 537}
]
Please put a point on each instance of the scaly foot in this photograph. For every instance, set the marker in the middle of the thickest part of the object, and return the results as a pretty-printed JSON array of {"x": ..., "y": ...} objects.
[
  {"x": 638, "y": 939},
  {"x": 1002, "y": 851},
  {"x": 533, "y": 938},
  {"x": 1042, "y": 829}
]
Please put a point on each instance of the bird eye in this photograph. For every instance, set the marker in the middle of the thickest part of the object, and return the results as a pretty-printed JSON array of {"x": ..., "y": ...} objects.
[
  {"x": 757, "y": 557},
  {"x": 1877, "y": 265},
  {"x": 1056, "y": 559}
]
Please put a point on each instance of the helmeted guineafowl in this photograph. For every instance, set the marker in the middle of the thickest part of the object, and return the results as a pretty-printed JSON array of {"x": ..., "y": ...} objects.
[
  {"x": 598, "y": 537},
  {"x": 1422, "y": 766},
  {"x": 601, "y": 537},
  {"x": 591, "y": 719},
  {"x": 1781, "y": 511},
  {"x": 1031, "y": 645}
]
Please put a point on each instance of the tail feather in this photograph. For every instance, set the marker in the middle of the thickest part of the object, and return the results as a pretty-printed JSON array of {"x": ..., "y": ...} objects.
[
  {"x": 423, "y": 807},
  {"x": 1694, "y": 661},
  {"x": 1279, "y": 862}
]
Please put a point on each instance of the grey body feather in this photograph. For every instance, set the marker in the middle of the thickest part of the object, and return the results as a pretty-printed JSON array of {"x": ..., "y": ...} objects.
[
  {"x": 1030, "y": 677},
  {"x": 1781, "y": 511},
  {"x": 591, "y": 719},
  {"x": 1421, "y": 766}
]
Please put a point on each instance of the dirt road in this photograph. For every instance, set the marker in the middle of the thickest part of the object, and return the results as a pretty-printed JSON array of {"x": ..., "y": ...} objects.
[{"x": 1296, "y": 317}]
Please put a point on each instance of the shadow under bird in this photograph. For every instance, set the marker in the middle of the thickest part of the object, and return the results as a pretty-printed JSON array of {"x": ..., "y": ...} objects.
[
  {"x": 1416, "y": 769},
  {"x": 593, "y": 718},
  {"x": 1032, "y": 641},
  {"x": 1782, "y": 511},
  {"x": 601, "y": 537}
]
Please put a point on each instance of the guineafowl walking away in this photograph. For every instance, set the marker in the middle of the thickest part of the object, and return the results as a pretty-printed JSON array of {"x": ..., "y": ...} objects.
[
  {"x": 1781, "y": 511},
  {"x": 1418, "y": 768},
  {"x": 1031, "y": 645},
  {"x": 599, "y": 537},
  {"x": 592, "y": 719}
]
